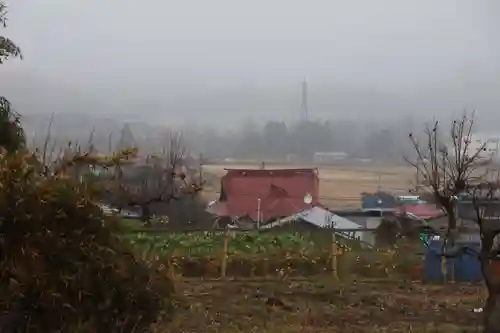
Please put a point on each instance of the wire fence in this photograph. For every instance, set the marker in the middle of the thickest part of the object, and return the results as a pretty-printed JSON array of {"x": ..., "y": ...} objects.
[{"x": 295, "y": 253}]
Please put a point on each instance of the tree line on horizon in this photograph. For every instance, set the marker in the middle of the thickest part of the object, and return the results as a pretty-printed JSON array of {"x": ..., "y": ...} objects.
[{"x": 251, "y": 140}]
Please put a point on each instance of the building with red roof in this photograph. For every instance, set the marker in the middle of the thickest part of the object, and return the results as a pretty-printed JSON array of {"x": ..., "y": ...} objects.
[
  {"x": 266, "y": 194},
  {"x": 422, "y": 211}
]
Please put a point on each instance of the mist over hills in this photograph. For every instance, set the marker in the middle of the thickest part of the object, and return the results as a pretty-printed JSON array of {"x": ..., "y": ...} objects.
[
  {"x": 378, "y": 63},
  {"x": 228, "y": 76},
  {"x": 38, "y": 96}
]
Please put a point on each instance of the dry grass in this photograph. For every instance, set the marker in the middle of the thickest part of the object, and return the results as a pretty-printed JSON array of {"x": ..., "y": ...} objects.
[
  {"x": 340, "y": 187},
  {"x": 319, "y": 305}
]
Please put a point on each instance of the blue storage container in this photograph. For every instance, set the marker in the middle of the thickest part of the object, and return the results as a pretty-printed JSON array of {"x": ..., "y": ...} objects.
[
  {"x": 464, "y": 267},
  {"x": 433, "y": 263},
  {"x": 468, "y": 267}
]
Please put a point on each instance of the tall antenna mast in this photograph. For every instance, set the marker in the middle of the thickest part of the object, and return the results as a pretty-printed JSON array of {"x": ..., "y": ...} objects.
[{"x": 304, "y": 107}]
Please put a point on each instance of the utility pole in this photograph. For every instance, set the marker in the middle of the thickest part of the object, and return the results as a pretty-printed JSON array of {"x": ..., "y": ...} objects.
[
  {"x": 201, "y": 169},
  {"x": 304, "y": 116},
  {"x": 258, "y": 213},
  {"x": 417, "y": 178}
]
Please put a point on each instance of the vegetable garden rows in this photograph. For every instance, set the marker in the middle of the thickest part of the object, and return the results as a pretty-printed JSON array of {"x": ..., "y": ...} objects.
[
  {"x": 209, "y": 243},
  {"x": 201, "y": 254}
]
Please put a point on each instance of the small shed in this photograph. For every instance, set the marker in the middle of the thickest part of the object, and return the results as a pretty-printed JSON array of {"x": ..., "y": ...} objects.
[
  {"x": 490, "y": 212},
  {"x": 329, "y": 157},
  {"x": 469, "y": 229},
  {"x": 410, "y": 199},
  {"x": 369, "y": 219},
  {"x": 378, "y": 201},
  {"x": 317, "y": 217}
]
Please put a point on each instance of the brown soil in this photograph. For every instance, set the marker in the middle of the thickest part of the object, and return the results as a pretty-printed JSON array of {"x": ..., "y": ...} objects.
[{"x": 320, "y": 305}]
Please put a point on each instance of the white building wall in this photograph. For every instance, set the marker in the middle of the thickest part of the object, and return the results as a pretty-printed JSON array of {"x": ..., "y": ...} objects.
[
  {"x": 369, "y": 236},
  {"x": 491, "y": 144}
]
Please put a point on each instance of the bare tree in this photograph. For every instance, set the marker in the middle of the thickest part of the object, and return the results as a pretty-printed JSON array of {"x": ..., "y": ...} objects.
[
  {"x": 452, "y": 168},
  {"x": 156, "y": 179},
  {"x": 446, "y": 164},
  {"x": 485, "y": 199}
]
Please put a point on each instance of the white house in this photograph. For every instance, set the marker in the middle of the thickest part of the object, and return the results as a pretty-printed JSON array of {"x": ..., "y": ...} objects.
[{"x": 490, "y": 141}]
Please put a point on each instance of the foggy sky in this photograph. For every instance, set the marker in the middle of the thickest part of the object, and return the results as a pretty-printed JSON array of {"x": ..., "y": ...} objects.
[{"x": 174, "y": 61}]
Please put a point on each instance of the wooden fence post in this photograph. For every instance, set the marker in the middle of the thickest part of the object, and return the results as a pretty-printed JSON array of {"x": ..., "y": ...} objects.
[
  {"x": 223, "y": 264},
  {"x": 334, "y": 256},
  {"x": 444, "y": 268},
  {"x": 453, "y": 271}
]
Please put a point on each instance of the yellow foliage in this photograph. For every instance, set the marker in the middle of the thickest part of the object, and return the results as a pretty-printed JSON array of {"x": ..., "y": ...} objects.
[{"x": 61, "y": 260}]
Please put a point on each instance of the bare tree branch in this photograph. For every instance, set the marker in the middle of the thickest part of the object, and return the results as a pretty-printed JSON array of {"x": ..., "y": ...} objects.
[
  {"x": 486, "y": 203},
  {"x": 454, "y": 174},
  {"x": 156, "y": 179},
  {"x": 448, "y": 164}
]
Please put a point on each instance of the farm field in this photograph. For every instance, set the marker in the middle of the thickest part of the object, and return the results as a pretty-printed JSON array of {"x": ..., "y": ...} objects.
[
  {"x": 340, "y": 187},
  {"x": 273, "y": 255},
  {"x": 239, "y": 243},
  {"x": 320, "y": 305},
  {"x": 282, "y": 282}
]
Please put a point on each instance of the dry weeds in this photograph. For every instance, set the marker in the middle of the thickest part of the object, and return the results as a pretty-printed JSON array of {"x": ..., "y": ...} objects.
[{"x": 319, "y": 305}]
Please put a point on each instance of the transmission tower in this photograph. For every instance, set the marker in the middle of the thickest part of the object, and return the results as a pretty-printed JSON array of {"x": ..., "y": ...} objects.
[{"x": 304, "y": 110}]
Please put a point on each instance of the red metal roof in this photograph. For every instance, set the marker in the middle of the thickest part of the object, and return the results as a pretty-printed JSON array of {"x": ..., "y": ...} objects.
[
  {"x": 422, "y": 211},
  {"x": 281, "y": 192}
]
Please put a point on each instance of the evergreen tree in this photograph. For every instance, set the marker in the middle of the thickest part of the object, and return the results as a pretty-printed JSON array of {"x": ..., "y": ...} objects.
[{"x": 12, "y": 136}]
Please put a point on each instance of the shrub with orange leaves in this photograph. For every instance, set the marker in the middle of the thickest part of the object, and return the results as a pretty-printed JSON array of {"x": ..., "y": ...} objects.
[{"x": 62, "y": 265}]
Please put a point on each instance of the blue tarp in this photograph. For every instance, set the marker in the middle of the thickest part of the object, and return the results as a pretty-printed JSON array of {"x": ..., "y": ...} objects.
[{"x": 462, "y": 262}]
